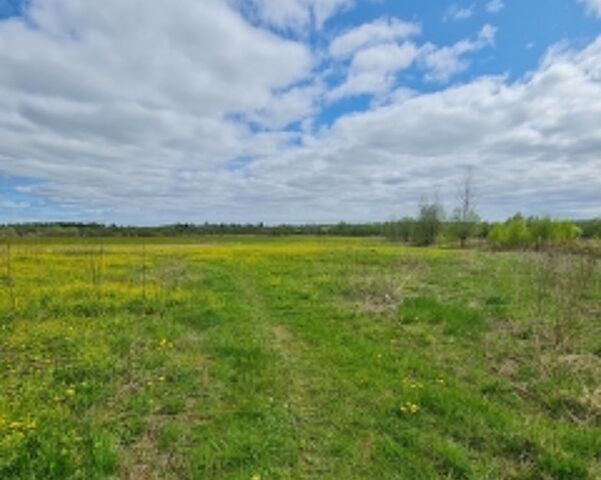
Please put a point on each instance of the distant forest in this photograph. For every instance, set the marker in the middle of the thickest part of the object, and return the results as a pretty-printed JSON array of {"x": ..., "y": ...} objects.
[
  {"x": 401, "y": 230},
  {"x": 75, "y": 229}
]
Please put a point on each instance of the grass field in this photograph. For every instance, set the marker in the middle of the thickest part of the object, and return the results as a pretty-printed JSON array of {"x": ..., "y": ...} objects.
[{"x": 296, "y": 358}]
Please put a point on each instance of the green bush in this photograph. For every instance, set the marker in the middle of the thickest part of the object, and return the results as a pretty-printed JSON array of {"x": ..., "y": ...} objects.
[
  {"x": 546, "y": 232},
  {"x": 517, "y": 232},
  {"x": 514, "y": 233},
  {"x": 428, "y": 225}
]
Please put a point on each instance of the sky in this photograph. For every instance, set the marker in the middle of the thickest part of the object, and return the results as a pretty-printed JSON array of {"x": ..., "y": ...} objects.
[{"x": 297, "y": 111}]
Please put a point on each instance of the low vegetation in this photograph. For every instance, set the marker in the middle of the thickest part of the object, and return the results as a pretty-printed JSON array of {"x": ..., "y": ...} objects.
[{"x": 296, "y": 357}]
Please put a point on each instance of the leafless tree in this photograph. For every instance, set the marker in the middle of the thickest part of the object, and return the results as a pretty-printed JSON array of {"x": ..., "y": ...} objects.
[{"x": 465, "y": 218}]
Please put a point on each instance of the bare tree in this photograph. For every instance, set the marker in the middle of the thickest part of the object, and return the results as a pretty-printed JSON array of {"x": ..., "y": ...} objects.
[{"x": 465, "y": 218}]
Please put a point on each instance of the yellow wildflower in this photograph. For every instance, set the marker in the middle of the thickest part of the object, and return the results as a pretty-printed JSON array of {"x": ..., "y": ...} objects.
[{"x": 409, "y": 407}]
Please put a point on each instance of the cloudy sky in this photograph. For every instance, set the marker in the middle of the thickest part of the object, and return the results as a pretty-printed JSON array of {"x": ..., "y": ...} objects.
[{"x": 151, "y": 112}]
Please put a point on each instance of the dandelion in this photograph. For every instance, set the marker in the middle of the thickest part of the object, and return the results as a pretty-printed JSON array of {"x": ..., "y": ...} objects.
[
  {"x": 409, "y": 407},
  {"x": 256, "y": 477},
  {"x": 70, "y": 392}
]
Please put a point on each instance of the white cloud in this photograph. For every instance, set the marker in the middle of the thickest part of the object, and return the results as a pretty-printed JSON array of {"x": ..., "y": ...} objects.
[
  {"x": 593, "y": 6},
  {"x": 378, "y": 51},
  {"x": 101, "y": 108},
  {"x": 495, "y": 6},
  {"x": 295, "y": 15},
  {"x": 455, "y": 12},
  {"x": 12, "y": 205},
  {"x": 486, "y": 36},
  {"x": 290, "y": 106},
  {"x": 324, "y": 9},
  {"x": 140, "y": 121},
  {"x": 534, "y": 143},
  {"x": 377, "y": 56},
  {"x": 383, "y": 30},
  {"x": 373, "y": 69},
  {"x": 443, "y": 62}
]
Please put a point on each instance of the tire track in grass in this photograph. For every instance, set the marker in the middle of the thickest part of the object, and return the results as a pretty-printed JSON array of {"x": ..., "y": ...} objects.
[
  {"x": 293, "y": 378},
  {"x": 299, "y": 379},
  {"x": 291, "y": 352},
  {"x": 246, "y": 432}
]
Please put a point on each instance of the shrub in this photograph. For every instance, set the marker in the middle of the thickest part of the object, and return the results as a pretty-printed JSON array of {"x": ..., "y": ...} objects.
[
  {"x": 546, "y": 232},
  {"x": 518, "y": 232},
  {"x": 514, "y": 233},
  {"x": 428, "y": 224}
]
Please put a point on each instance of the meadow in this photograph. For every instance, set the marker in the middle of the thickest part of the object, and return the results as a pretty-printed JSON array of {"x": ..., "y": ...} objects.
[{"x": 296, "y": 358}]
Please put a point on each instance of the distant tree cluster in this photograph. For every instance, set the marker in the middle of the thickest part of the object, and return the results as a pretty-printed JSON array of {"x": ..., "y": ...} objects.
[
  {"x": 430, "y": 226},
  {"x": 517, "y": 232},
  {"x": 534, "y": 232}
]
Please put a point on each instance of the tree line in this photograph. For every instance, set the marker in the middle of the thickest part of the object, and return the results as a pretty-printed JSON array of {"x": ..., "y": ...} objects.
[
  {"x": 75, "y": 229},
  {"x": 430, "y": 226}
]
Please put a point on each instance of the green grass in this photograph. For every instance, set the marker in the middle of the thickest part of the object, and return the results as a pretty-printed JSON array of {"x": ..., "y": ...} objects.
[{"x": 294, "y": 358}]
